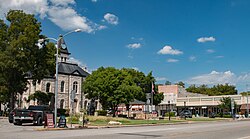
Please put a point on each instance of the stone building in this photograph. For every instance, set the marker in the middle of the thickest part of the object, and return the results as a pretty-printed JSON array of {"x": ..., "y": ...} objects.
[{"x": 70, "y": 77}]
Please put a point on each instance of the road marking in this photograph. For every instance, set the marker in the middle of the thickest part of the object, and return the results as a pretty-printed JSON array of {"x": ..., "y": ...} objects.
[{"x": 248, "y": 137}]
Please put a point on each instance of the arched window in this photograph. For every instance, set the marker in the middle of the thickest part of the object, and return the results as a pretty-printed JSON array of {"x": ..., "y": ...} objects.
[
  {"x": 61, "y": 103},
  {"x": 75, "y": 86},
  {"x": 48, "y": 87},
  {"x": 62, "y": 86}
]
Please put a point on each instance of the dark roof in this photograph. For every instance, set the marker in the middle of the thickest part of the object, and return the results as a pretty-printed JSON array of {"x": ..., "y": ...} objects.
[{"x": 71, "y": 69}]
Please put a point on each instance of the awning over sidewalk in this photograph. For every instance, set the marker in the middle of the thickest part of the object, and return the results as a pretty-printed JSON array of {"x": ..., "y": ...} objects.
[{"x": 244, "y": 106}]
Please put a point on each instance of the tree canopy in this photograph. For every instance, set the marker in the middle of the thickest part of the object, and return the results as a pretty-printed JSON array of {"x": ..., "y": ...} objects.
[
  {"x": 116, "y": 86},
  {"x": 41, "y": 97},
  {"x": 20, "y": 56},
  {"x": 215, "y": 90}
]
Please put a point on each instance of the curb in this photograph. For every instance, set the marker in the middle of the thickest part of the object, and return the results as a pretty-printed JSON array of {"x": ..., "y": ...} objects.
[{"x": 121, "y": 126}]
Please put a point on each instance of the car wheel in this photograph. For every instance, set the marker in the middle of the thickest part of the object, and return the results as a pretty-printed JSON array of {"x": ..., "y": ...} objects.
[
  {"x": 19, "y": 123},
  {"x": 10, "y": 121},
  {"x": 39, "y": 121}
]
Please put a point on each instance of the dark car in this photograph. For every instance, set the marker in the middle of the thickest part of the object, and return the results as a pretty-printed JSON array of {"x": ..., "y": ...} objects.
[{"x": 186, "y": 114}]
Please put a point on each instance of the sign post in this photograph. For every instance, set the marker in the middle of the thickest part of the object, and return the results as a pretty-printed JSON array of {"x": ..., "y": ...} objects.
[
  {"x": 49, "y": 120},
  {"x": 72, "y": 97}
]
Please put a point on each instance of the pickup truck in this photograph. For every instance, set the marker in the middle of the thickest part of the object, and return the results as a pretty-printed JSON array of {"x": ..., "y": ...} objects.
[{"x": 34, "y": 114}]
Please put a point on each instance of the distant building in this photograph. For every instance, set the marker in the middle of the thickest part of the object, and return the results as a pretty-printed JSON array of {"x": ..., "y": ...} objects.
[{"x": 176, "y": 99}]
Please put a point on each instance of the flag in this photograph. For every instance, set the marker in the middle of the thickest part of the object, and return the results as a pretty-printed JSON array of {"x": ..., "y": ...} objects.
[{"x": 152, "y": 91}]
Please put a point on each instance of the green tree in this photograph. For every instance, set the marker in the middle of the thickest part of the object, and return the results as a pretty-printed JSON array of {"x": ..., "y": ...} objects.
[
  {"x": 216, "y": 90},
  {"x": 180, "y": 83},
  {"x": 113, "y": 86},
  {"x": 41, "y": 97},
  {"x": 168, "y": 83},
  {"x": 225, "y": 105},
  {"x": 20, "y": 57}
]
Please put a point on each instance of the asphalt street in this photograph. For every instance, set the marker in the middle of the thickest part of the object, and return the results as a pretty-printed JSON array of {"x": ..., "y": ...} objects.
[{"x": 209, "y": 130}]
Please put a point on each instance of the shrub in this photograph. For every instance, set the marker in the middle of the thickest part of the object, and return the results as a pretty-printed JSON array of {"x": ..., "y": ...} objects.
[
  {"x": 63, "y": 112},
  {"x": 102, "y": 112},
  {"x": 227, "y": 116},
  {"x": 172, "y": 114}
]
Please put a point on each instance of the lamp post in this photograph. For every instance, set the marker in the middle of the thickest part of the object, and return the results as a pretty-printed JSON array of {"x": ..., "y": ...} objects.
[
  {"x": 247, "y": 104},
  {"x": 169, "y": 110},
  {"x": 58, "y": 43},
  {"x": 185, "y": 109}
]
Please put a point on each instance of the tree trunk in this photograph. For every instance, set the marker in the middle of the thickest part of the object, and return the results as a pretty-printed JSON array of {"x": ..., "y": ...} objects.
[{"x": 12, "y": 101}]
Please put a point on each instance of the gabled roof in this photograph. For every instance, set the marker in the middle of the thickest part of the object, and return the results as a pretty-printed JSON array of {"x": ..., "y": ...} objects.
[
  {"x": 71, "y": 69},
  {"x": 136, "y": 102}
]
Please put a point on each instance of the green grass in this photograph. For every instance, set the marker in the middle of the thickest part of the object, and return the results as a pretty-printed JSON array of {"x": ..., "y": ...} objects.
[{"x": 103, "y": 120}]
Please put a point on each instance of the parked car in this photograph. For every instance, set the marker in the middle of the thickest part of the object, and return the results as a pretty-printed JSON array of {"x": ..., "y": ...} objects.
[
  {"x": 34, "y": 114},
  {"x": 186, "y": 114},
  {"x": 11, "y": 114}
]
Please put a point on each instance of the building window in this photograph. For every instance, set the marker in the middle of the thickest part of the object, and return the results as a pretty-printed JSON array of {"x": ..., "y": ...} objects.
[
  {"x": 61, "y": 103},
  {"x": 62, "y": 86},
  {"x": 48, "y": 87},
  {"x": 75, "y": 86}
]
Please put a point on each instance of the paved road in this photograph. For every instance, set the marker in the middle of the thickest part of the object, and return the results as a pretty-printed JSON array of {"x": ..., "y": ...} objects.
[{"x": 212, "y": 130}]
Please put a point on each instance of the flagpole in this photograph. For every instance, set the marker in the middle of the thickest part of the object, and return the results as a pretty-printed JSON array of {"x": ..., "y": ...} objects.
[{"x": 152, "y": 96}]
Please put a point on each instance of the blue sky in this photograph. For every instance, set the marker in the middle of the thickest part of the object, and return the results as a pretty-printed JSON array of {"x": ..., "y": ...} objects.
[{"x": 194, "y": 41}]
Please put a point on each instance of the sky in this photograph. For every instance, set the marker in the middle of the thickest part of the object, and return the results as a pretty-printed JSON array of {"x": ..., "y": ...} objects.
[{"x": 195, "y": 41}]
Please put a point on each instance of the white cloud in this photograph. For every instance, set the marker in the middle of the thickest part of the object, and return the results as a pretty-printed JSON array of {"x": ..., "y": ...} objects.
[
  {"x": 62, "y": 2},
  {"x": 169, "y": 50},
  {"x": 135, "y": 68},
  {"x": 76, "y": 61},
  {"x": 206, "y": 39},
  {"x": 94, "y": 0},
  {"x": 60, "y": 12},
  {"x": 214, "y": 78},
  {"x": 192, "y": 58},
  {"x": 111, "y": 18},
  {"x": 210, "y": 51},
  {"x": 172, "y": 60},
  {"x": 134, "y": 45}
]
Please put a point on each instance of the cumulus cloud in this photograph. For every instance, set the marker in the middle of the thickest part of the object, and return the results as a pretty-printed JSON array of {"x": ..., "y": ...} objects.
[
  {"x": 169, "y": 50},
  {"x": 205, "y": 39},
  {"x": 111, "y": 18},
  {"x": 76, "y": 61},
  {"x": 172, "y": 60},
  {"x": 214, "y": 78},
  {"x": 134, "y": 45},
  {"x": 60, "y": 12}
]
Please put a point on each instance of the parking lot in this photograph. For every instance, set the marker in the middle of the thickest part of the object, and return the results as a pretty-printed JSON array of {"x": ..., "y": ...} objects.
[{"x": 6, "y": 127}]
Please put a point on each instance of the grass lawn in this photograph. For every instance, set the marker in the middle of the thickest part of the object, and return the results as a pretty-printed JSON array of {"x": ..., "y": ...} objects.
[{"x": 103, "y": 120}]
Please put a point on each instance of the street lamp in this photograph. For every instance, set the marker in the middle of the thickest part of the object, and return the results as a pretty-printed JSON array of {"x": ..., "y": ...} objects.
[
  {"x": 59, "y": 41},
  {"x": 169, "y": 110}
]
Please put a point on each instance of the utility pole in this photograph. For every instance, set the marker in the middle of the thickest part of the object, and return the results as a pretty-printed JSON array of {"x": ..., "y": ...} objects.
[{"x": 247, "y": 103}]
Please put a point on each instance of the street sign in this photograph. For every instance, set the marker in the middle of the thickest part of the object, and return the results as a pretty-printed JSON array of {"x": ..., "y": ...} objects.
[{"x": 148, "y": 95}]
